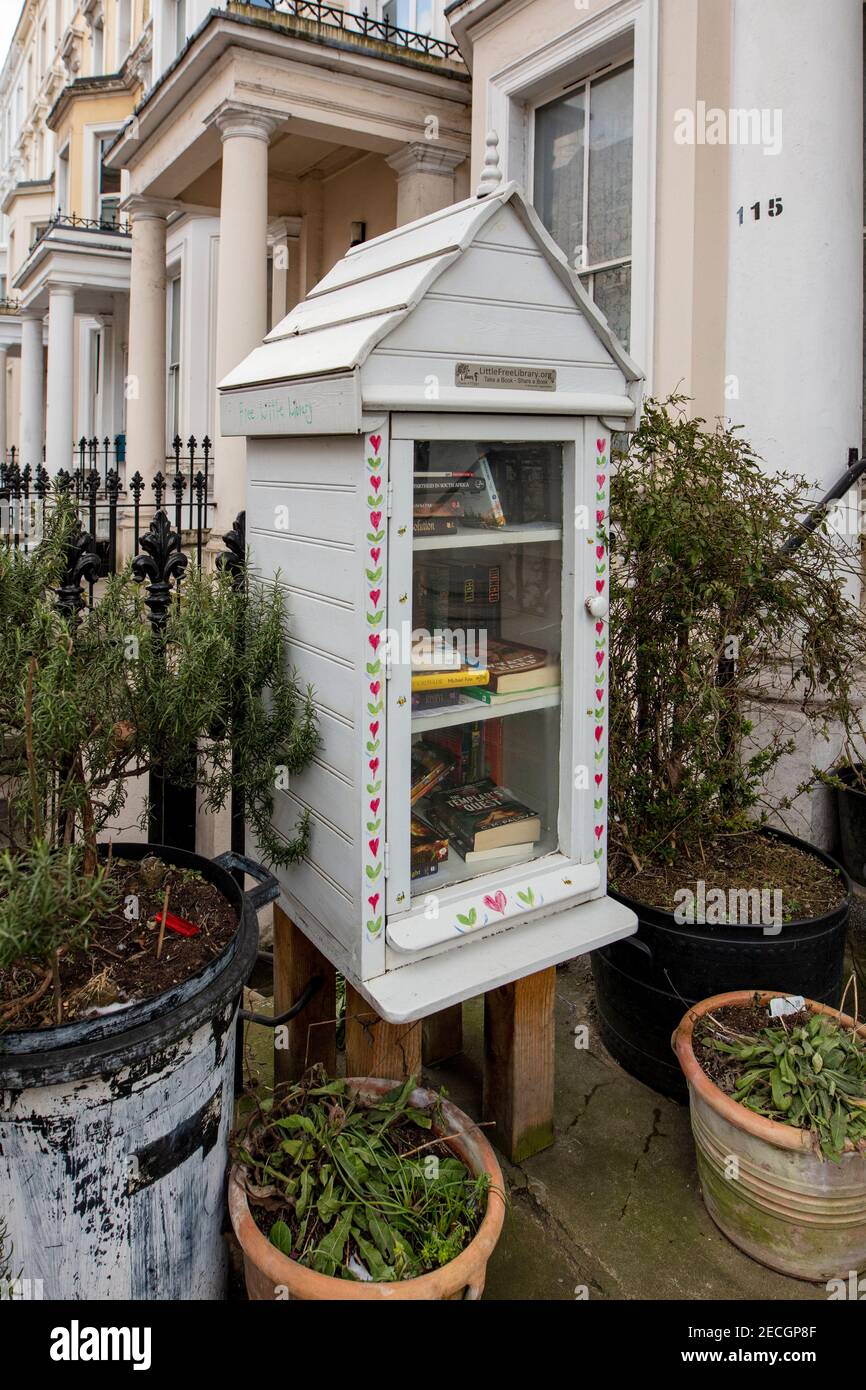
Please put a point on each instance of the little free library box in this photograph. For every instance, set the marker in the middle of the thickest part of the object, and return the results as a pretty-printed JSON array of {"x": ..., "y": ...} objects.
[{"x": 428, "y": 477}]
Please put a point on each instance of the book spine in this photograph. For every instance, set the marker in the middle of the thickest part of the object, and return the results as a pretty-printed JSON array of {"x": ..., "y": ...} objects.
[
  {"x": 492, "y": 493},
  {"x": 448, "y": 680},
  {"x": 434, "y": 525}
]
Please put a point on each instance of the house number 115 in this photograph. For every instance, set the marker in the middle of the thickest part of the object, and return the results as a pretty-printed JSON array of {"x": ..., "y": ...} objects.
[{"x": 774, "y": 209}]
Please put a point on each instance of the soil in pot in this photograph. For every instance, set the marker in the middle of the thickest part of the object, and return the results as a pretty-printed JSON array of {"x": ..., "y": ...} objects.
[
  {"x": 119, "y": 962},
  {"x": 809, "y": 888},
  {"x": 644, "y": 982},
  {"x": 357, "y": 1192}
]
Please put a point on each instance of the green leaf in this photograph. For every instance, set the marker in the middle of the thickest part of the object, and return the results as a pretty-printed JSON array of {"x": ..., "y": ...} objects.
[{"x": 281, "y": 1237}]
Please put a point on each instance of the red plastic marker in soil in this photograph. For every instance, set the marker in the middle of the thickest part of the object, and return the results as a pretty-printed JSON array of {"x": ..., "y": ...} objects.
[{"x": 178, "y": 924}]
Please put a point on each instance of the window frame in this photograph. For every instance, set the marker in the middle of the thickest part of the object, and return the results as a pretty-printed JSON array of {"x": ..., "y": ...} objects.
[
  {"x": 173, "y": 331},
  {"x": 589, "y": 271},
  {"x": 626, "y": 31}
]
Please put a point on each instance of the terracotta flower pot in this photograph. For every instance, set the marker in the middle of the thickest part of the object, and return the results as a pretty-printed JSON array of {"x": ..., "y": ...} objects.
[
  {"x": 780, "y": 1202},
  {"x": 272, "y": 1275}
]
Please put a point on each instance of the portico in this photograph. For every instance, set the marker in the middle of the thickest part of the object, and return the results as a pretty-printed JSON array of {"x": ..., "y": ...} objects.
[
  {"x": 287, "y": 149},
  {"x": 73, "y": 274}
]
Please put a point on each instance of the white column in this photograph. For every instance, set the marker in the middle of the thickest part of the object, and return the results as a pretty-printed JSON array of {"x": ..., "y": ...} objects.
[
  {"x": 4, "y": 383},
  {"x": 32, "y": 389},
  {"x": 242, "y": 291},
  {"x": 425, "y": 178},
  {"x": 145, "y": 385},
  {"x": 794, "y": 334},
  {"x": 60, "y": 425}
]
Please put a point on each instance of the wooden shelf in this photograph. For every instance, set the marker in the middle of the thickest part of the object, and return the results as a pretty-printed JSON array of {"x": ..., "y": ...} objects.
[
  {"x": 463, "y": 714},
  {"x": 478, "y": 538}
]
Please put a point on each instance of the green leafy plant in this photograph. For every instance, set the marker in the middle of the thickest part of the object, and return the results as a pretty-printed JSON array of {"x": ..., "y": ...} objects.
[
  {"x": 811, "y": 1075},
  {"x": 88, "y": 702},
  {"x": 350, "y": 1191},
  {"x": 710, "y": 622}
]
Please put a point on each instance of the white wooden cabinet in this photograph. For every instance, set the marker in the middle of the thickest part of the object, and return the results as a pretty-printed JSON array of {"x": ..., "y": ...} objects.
[{"x": 460, "y": 337}]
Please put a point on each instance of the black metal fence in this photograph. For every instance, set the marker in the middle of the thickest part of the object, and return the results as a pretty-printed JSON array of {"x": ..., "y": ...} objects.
[
  {"x": 159, "y": 565},
  {"x": 107, "y": 499}
]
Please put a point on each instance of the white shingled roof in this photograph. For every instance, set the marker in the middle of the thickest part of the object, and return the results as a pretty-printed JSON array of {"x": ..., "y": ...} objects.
[{"x": 378, "y": 283}]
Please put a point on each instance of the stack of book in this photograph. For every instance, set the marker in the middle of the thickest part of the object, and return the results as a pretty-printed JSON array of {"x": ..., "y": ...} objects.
[
  {"x": 446, "y": 500},
  {"x": 516, "y": 672},
  {"x": 484, "y": 821},
  {"x": 439, "y": 670}
]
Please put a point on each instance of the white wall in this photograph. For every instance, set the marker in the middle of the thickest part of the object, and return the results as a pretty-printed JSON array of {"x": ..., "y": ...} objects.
[
  {"x": 191, "y": 250},
  {"x": 794, "y": 326}
]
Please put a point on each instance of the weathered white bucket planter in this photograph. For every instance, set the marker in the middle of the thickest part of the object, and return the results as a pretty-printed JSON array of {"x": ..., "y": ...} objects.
[
  {"x": 780, "y": 1202},
  {"x": 114, "y": 1131}
]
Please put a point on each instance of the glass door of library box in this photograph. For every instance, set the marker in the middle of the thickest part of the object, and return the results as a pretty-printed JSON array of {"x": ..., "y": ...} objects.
[{"x": 483, "y": 608}]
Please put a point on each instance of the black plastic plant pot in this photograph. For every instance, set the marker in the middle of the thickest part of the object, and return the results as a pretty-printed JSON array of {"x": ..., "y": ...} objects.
[
  {"x": 645, "y": 983},
  {"x": 851, "y": 803},
  {"x": 114, "y": 1130}
]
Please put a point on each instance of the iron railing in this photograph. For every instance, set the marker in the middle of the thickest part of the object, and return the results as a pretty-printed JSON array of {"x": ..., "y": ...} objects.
[
  {"x": 365, "y": 24},
  {"x": 119, "y": 225},
  {"x": 104, "y": 502}
]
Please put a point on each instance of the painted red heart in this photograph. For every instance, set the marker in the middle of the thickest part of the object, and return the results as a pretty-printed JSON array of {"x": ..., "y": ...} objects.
[
  {"x": 374, "y": 728},
  {"x": 599, "y": 831},
  {"x": 372, "y": 900},
  {"x": 599, "y": 478},
  {"x": 375, "y": 804},
  {"x": 375, "y": 687},
  {"x": 599, "y": 731},
  {"x": 599, "y": 444},
  {"x": 375, "y": 482},
  {"x": 374, "y": 639},
  {"x": 375, "y": 595},
  {"x": 374, "y": 846},
  {"x": 374, "y": 766},
  {"x": 496, "y": 901},
  {"x": 599, "y": 517},
  {"x": 599, "y": 778},
  {"x": 599, "y": 552},
  {"x": 599, "y": 627},
  {"x": 599, "y": 586},
  {"x": 375, "y": 518},
  {"x": 599, "y": 694},
  {"x": 375, "y": 553},
  {"x": 599, "y": 658},
  {"x": 375, "y": 441}
]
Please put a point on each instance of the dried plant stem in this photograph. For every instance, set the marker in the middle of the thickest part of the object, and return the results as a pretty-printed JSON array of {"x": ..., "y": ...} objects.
[{"x": 162, "y": 923}]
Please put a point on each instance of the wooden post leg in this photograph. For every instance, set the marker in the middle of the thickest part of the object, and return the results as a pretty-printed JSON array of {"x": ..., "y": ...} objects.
[
  {"x": 443, "y": 1035},
  {"x": 298, "y": 1044},
  {"x": 377, "y": 1048},
  {"x": 518, "y": 1064}
]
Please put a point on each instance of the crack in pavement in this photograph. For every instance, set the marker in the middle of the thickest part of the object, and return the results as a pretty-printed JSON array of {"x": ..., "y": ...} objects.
[
  {"x": 587, "y": 1100},
  {"x": 565, "y": 1238},
  {"x": 655, "y": 1133}
]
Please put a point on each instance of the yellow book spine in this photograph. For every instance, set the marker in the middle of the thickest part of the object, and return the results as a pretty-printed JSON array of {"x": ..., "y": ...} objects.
[{"x": 449, "y": 680}]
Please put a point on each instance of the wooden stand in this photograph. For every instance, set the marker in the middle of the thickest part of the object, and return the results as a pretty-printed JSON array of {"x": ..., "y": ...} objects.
[
  {"x": 518, "y": 1040},
  {"x": 377, "y": 1048},
  {"x": 312, "y": 1036},
  {"x": 518, "y": 1064},
  {"x": 443, "y": 1035}
]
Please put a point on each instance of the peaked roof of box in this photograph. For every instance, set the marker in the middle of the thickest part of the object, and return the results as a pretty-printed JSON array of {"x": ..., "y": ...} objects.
[{"x": 378, "y": 283}]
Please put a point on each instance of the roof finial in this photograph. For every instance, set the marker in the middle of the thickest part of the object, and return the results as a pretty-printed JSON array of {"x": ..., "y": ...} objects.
[{"x": 491, "y": 174}]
